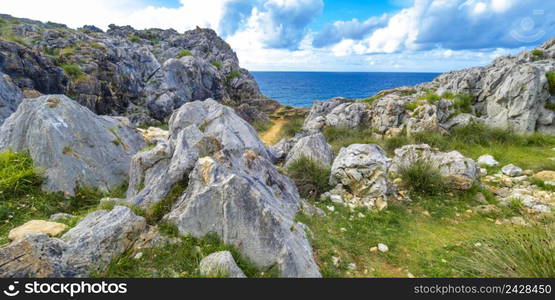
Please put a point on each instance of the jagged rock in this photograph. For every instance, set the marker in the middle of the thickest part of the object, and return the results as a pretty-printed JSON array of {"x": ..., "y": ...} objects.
[
  {"x": 316, "y": 118},
  {"x": 220, "y": 264},
  {"x": 154, "y": 135},
  {"x": 349, "y": 115},
  {"x": 35, "y": 255},
  {"x": 511, "y": 170},
  {"x": 487, "y": 160},
  {"x": 313, "y": 147},
  {"x": 256, "y": 110},
  {"x": 10, "y": 97},
  {"x": 386, "y": 113},
  {"x": 461, "y": 170},
  {"x": 360, "y": 176},
  {"x": 71, "y": 144},
  {"x": 460, "y": 120},
  {"x": 250, "y": 205},
  {"x": 197, "y": 129},
  {"x": 102, "y": 236},
  {"x": 37, "y": 226}
]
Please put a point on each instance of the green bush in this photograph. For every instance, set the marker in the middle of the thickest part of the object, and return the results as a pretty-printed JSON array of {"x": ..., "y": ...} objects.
[
  {"x": 463, "y": 103},
  {"x": 72, "y": 71},
  {"x": 217, "y": 64},
  {"x": 233, "y": 75},
  {"x": 430, "y": 97},
  {"x": 537, "y": 55},
  {"x": 134, "y": 39},
  {"x": 551, "y": 80},
  {"x": 518, "y": 254},
  {"x": 184, "y": 53},
  {"x": 423, "y": 179},
  {"x": 310, "y": 176}
]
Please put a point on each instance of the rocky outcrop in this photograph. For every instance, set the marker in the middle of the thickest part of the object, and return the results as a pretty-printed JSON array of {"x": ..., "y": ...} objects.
[
  {"x": 10, "y": 97},
  {"x": 74, "y": 147},
  {"x": 460, "y": 170},
  {"x": 220, "y": 264},
  {"x": 136, "y": 73},
  {"x": 336, "y": 112},
  {"x": 360, "y": 176},
  {"x": 233, "y": 189}
]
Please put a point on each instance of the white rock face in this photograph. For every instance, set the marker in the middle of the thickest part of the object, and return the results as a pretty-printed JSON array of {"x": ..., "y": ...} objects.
[
  {"x": 71, "y": 144},
  {"x": 511, "y": 170},
  {"x": 487, "y": 160},
  {"x": 10, "y": 97},
  {"x": 359, "y": 174},
  {"x": 313, "y": 147},
  {"x": 220, "y": 264}
]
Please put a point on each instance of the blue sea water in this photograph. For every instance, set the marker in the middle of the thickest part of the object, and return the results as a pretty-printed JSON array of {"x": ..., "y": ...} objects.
[{"x": 302, "y": 88}]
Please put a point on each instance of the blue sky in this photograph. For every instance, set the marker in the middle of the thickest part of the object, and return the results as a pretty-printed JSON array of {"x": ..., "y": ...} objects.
[{"x": 330, "y": 35}]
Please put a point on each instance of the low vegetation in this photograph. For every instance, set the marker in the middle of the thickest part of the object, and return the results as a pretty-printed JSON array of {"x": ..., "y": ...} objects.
[
  {"x": 134, "y": 39},
  {"x": 233, "y": 75},
  {"x": 421, "y": 178},
  {"x": 293, "y": 126},
  {"x": 537, "y": 55},
  {"x": 310, "y": 176},
  {"x": 73, "y": 71},
  {"x": 551, "y": 80},
  {"x": 217, "y": 64},
  {"x": 184, "y": 53}
]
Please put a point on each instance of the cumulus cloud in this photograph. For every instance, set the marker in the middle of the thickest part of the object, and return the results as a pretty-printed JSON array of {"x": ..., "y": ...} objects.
[
  {"x": 454, "y": 24},
  {"x": 352, "y": 30}
]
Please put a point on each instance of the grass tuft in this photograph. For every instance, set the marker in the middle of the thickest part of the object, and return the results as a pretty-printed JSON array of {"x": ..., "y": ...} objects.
[
  {"x": 551, "y": 80},
  {"x": 184, "y": 53},
  {"x": 423, "y": 179},
  {"x": 310, "y": 176}
]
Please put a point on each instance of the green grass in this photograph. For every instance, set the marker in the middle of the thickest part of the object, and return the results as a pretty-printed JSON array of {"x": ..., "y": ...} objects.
[
  {"x": 370, "y": 100},
  {"x": 155, "y": 213},
  {"x": 339, "y": 137},
  {"x": 463, "y": 103},
  {"x": 233, "y": 75},
  {"x": 430, "y": 97},
  {"x": 537, "y": 55},
  {"x": 551, "y": 80},
  {"x": 180, "y": 259},
  {"x": 261, "y": 126},
  {"x": 527, "y": 253},
  {"x": 72, "y": 71},
  {"x": 310, "y": 176},
  {"x": 184, "y": 53},
  {"x": 423, "y": 179},
  {"x": 134, "y": 39},
  {"x": 293, "y": 126},
  {"x": 427, "y": 237}
]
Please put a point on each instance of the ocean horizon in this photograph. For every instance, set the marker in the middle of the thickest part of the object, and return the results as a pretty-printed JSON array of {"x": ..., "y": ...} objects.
[{"x": 301, "y": 89}]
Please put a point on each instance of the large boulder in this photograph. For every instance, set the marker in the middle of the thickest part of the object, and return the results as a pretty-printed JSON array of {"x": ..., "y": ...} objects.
[
  {"x": 313, "y": 147},
  {"x": 10, "y": 97},
  {"x": 462, "y": 171},
  {"x": 74, "y": 147},
  {"x": 388, "y": 112},
  {"x": 360, "y": 176},
  {"x": 197, "y": 129},
  {"x": 101, "y": 237},
  {"x": 250, "y": 205}
]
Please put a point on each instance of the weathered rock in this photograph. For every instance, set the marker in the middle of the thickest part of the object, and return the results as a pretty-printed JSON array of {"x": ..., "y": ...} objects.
[
  {"x": 37, "y": 226},
  {"x": 71, "y": 144},
  {"x": 348, "y": 115},
  {"x": 35, "y": 255},
  {"x": 545, "y": 176},
  {"x": 154, "y": 135},
  {"x": 316, "y": 118},
  {"x": 313, "y": 147},
  {"x": 250, "y": 205},
  {"x": 60, "y": 216},
  {"x": 460, "y": 120},
  {"x": 388, "y": 112},
  {"x": 511, "y": 170},
  {"x": 102, "y": 236},
  {"x": 360, "y": 176},
  {"x": 461, "y": 170},
  {"x": 220, "y": 264},
  {"x": 487, "y": 160},
  {"x": 10, "y": 97}
]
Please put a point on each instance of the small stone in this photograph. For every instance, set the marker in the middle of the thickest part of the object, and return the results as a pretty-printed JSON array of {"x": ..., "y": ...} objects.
[
  {"x": 374, "y": 249},
  {"x": 480, "y": 198},
  {"x": 335, "y": 260},
  {"x": 343, "y": 229},
  {"x": 383, "y": 247},
  {"x": 60, "y": 216},
  {"x": 352, "y": 266},
  {"x": 220, "y": 264},
  {"x": 487, "y": 160},
  {"x": 138, "y": 255},
  {"x": 478, "y": 244},
  {"x": 330, "y": 208},
  {"x": 545, "y": 175},
  {"x": 37, "y": 226},
  {"x": 511, "y": 170},
  {"x": 409, "y": 275}
]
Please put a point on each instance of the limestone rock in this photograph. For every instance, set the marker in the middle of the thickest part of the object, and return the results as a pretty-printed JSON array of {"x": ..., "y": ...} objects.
[
  {"x": 487, "y": 160},
  {"x": 511, "y": 170},
  {"x": 102, "y": 236},
  {"x": 313, "y": 147},
  {"x": 545, "y": 176},
  {"x": 220, "y": 264},
  {"x": 71, "y": 144},
  {"x": 37, "y": 226},
  {"x": 10, "y": 97}
]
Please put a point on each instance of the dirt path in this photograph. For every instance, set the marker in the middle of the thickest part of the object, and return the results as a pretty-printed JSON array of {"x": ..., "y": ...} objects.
[{"x": 271, "y": 135}]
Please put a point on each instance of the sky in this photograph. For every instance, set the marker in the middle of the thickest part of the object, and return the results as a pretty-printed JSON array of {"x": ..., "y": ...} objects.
[{"x": 329, "y": 35}]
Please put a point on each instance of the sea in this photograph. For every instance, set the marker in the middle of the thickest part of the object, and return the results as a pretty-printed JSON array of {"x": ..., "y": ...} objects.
[{"x": 300, "y": 89}]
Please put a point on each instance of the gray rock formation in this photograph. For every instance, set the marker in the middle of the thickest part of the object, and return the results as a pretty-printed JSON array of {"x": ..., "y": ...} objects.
[
  {"x": 336, "y": 112},
  {"x": 71, "y": 144},
  {"x": 360, "y": 176},
  {"x": 10, "y": 97},
  {"x": 220, "y": 264},
  {"x": 314, "y": 147},
  {"x": 101, "y": 237}
]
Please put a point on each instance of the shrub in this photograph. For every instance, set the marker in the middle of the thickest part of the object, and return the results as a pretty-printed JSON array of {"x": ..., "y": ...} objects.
[
  {"x": 72, "y": 71},
  {"x": 430, "y": 97},
  {"x": 233, "y": 75},
  {"x": 395, "y": 142},
  {"x": 292, "y": 127},
  {"x": 217, "y": 64},
  {"x": 339, "y": 137},
  {"x": 184, "y": 53},
  {"x": 423, "y": 179},
  {"x": 537, "y": 55},
  {"x": 463, "y": 103},
  {"x": 412, "y": 105},
  {"x": 518, "y": 254},
  {"x": 551, "y": 80},
  {"x": 134, "y": 39},
  {"x": 310, "y": 176}
]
